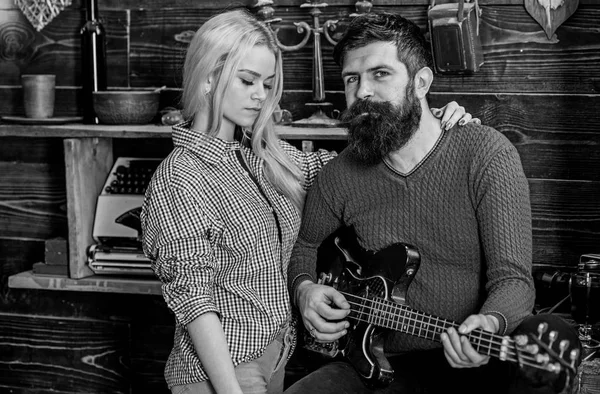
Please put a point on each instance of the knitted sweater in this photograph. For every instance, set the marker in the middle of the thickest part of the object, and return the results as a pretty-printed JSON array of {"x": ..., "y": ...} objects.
[{"x": 465, "y": 207}]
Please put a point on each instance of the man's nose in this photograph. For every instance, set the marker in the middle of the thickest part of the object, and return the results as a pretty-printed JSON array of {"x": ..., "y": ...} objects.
[{"x": 365, "y": 90}]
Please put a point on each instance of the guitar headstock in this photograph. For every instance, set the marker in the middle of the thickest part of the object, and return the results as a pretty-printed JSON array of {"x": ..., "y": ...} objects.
[{"x": 548, "y": 351}]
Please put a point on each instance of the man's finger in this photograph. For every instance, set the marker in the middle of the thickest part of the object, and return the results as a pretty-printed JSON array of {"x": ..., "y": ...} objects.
[
  {"x": 456, "y": 344},
  {"x": 338, "y": 299},
  {"x": 449, "y": 351}
]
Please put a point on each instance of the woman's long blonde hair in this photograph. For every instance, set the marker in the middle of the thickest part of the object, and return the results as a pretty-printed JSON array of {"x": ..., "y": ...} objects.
[{"x": 215, "y": 53}]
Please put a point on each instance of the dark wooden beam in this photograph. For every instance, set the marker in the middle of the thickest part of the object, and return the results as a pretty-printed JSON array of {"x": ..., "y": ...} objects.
[{"x": 64, "y": 355}]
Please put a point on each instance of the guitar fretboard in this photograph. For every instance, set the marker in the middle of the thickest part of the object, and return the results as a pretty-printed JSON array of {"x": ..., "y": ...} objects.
[{"x": 387, "y": 314}]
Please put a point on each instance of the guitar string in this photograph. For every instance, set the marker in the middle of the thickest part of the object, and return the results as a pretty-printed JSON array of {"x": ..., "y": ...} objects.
[
  {"x": 426, "y": 326},
  {"x": 524, "y": 359},
  {"x": 413, "y": 315},
  {"x": 389, "y": 317},
  {"x": 429, "y": 329}
]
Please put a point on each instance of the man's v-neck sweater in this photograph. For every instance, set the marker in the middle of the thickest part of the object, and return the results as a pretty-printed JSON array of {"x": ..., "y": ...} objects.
[{"x": 465, "y": 207}]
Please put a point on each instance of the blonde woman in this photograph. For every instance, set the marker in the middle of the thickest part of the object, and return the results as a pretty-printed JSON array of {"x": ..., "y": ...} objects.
[{"x": 222, "y": 213}]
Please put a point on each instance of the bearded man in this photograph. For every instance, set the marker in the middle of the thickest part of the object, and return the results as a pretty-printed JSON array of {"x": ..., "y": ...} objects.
[{"x": 459, "y": 196}]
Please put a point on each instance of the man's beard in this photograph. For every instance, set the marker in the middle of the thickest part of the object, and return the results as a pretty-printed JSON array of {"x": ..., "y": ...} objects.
[{"x": 376, "y": 129}]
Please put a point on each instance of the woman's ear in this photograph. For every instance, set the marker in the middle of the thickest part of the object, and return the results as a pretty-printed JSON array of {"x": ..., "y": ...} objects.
[
  {"x": 207, "y": 86},
  {"x": 423, "y": 81}
]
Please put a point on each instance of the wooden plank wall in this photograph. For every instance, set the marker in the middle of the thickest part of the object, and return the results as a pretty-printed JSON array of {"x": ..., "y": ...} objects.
[{"x": 542, "y": 93}]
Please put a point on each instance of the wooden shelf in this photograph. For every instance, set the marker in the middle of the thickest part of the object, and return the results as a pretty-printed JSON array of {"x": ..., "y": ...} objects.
[
  {"x": 77, "y": 130},
  {"x": 94, "y": 283},
  {"x": 88, "y": 154}
]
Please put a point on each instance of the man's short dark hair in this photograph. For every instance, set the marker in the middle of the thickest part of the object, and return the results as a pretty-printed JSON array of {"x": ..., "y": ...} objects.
[{"x": 413, "y": 49}]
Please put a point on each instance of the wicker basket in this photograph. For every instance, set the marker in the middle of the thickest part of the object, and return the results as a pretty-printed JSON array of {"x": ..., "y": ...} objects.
[{"x": 41, "y": 12}]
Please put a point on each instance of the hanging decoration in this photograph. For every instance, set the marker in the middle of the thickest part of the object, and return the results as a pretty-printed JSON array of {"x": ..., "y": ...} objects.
[
  {"x": 41, "y": 12},
  {"x": 455, "y": 37},
  {"x": 550, "y": 14}
]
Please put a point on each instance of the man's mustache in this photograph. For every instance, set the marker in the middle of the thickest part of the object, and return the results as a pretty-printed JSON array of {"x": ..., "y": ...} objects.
[
  {"x": 363, "y": 116},
  {"x": 362, "y": 109}
]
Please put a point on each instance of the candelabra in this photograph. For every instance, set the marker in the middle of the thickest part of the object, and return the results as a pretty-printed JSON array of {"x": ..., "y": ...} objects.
[{"x": 266, "y": 12}]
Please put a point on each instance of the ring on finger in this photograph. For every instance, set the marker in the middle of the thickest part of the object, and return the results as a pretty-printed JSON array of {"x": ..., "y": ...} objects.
[{"x": 312, "y": 332}]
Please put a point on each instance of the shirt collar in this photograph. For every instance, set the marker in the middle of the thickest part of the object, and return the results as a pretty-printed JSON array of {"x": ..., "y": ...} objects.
[{"x": 212, "y": 149}]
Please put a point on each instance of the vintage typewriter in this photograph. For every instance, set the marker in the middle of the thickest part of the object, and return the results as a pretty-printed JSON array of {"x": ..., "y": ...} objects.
[{"x": 117, "y": 228}]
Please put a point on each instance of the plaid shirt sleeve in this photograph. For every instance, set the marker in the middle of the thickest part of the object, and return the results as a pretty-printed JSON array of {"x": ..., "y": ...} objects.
[
  {"x": 310, "y": 162},
  {"x": 176, "y": 236}
]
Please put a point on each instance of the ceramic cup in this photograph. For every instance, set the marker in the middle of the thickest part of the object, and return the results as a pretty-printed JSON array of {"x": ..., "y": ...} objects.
[{"x": 38, "y": 95}]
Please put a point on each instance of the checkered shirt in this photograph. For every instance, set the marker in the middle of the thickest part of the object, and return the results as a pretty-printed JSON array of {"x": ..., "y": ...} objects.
[{"x": 218, "y": 246}]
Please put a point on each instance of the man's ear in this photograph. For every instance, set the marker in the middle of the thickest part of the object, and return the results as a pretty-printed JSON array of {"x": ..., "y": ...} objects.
[{"x": 423, "y": 80}]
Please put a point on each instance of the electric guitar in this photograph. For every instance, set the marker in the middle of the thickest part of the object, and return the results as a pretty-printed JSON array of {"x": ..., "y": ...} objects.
[{"x": 545, "y": 346}]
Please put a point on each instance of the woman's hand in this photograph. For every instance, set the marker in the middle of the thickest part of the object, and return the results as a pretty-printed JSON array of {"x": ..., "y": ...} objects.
[{"x": 452, "y": 113}]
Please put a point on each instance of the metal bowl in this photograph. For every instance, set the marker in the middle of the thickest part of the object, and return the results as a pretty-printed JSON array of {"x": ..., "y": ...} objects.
[{"x": 126, "y": 106}]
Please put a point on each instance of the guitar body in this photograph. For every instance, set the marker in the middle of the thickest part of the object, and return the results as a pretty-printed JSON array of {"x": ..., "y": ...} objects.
[
  {"x": 364, "y": 345},
  {"x": 545, "y": 347},
  {"x": 365, "y": 349}
]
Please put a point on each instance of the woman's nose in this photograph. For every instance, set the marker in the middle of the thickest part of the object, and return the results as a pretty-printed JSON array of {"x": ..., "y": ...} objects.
[{"x": 260, "y": 93}]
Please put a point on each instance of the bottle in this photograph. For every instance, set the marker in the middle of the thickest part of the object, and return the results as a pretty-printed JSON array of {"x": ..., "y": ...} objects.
[{"x": 93, "y": 60}]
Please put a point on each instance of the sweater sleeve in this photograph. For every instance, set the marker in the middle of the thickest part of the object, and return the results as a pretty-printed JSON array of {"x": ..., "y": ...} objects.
[
  {"x": 504, "y": 216},
  {"x": 318, "y": 221}
]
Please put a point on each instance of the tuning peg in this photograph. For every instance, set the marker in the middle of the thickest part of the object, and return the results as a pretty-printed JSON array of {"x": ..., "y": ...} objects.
[
  {"x": 542, "y": 328},
  {"x": 553, "y": 367},
  {"x": 532, "y": 349},
  {"x": 574, "y": 356},
  {"x": 563, "y": 345},
  {"x": 552, "y": 337},
  {"x": 324, "y": 278},
  {"x": 521, "y": 340},
  {"x": 542, "y": 359}
]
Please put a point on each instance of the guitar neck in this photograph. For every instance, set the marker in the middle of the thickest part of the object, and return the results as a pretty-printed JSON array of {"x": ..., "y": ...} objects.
[{"x": 401, "y": 318}]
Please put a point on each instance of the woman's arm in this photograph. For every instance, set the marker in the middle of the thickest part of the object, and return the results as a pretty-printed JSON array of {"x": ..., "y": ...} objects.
[
  {"x": 175, "y": 228},
  {"x": 310, "y": 163},
  {"x": 210, "y": 344}
]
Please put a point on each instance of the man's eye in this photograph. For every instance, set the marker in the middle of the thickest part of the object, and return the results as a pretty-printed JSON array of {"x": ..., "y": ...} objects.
[
  {"x": 350, "y": 80},
  {"x": 381, "y": 74}
]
